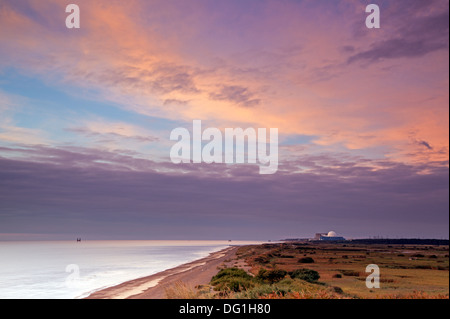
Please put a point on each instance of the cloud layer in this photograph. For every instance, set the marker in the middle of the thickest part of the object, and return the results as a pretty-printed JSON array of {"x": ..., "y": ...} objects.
[{"x": 85, "y": 117}]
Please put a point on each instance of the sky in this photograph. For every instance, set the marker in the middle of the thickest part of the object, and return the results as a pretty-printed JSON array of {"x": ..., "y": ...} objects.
[{"x": 86, "y": 116}]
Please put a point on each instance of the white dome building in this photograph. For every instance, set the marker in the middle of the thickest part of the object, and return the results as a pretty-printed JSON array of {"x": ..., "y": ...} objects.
[{"x": 331, "y": 234}]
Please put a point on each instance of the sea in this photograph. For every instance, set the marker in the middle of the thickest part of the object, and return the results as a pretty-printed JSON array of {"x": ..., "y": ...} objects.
[{"x": 71, "y": 269}]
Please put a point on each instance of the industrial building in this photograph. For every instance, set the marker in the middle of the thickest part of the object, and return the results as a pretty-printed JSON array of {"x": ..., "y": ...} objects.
[{"x": 330, "y": 236}]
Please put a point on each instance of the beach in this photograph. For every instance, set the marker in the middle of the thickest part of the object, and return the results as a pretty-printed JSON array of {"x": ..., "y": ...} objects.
[{"x": 198, "y": 272}]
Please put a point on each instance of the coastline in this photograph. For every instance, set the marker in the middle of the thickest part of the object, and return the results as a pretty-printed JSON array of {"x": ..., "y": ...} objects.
[{"x": 197, "y": 272}]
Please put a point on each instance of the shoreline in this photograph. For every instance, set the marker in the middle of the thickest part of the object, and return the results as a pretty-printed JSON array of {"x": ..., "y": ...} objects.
[{"x": 197, "y": 272}]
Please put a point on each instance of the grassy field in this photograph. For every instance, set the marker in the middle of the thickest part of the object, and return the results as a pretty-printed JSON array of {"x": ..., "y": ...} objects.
[{"x": 332, "y": 271}]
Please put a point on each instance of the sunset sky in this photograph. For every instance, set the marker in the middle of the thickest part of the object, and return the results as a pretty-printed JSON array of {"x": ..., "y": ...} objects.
[{"x": 86, "y": 115}]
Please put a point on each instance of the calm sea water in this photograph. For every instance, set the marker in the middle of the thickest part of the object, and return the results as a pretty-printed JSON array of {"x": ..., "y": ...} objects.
[{"x": 67, "y": 269}]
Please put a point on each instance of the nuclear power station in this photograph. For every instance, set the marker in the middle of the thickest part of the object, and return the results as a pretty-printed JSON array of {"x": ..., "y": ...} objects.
[{"x": 330, "y": 236}]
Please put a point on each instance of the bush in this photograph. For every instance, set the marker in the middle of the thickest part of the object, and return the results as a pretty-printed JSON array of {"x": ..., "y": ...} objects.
[
  {"x": 423, "y": 267},
  {"x": 265, "y": 289},
  {"x": 235, "y": 284},
  {"x": 231, "y": 272},
  {"x": 271, "y": 276},
  {"x": 308, "y": 275},
  {"x": 337, "y": 276},
  {"x": 350, "y": 273},
  {"x": 233, "y": 279},
  {"x": 306, "y": 260},
  {"x": 255, "y": 292},
  {"x": 338, "y": 290}
]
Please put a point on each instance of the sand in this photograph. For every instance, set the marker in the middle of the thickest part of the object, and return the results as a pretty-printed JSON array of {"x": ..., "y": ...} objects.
[{"x": 198, "y": 272}]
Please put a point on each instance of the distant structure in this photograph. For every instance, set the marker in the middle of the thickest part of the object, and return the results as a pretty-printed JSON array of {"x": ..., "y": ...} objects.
[
  {"x": 330, "y": 236},
  {"x": 318, "y": 235}
]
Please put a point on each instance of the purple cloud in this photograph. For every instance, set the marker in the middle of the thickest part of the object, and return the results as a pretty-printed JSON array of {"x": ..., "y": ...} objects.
[
  {"x": 236, "y": 94},
  {"x": 414, "y": 34},
  {"x": 78, "y": 193}
]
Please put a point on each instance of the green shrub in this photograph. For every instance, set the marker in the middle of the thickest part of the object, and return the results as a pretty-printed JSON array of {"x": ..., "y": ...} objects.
[
  {"x": 255, "y": 292},
  {"x": 233, "y": 279},
  {"x": 271, "y": 276},
  {"x": 305, "y": 274},
  {"x": 231, "y": 272}
]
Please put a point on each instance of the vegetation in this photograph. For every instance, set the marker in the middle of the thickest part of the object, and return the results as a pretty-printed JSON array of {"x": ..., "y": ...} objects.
[
  {"x": 308, "y": 275},
  {"x": 347, "y": 272},
  {"x": 181, "y": 291},
  {"x": 232, "y": 279},
  {"x": 271, "y": 276},
  {"x": 274, "y": 271},
  {"x": 306, "y": 260}
]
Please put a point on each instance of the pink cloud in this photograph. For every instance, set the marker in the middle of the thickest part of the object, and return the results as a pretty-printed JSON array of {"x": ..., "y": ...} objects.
[{"x": 309, "y": 68}]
